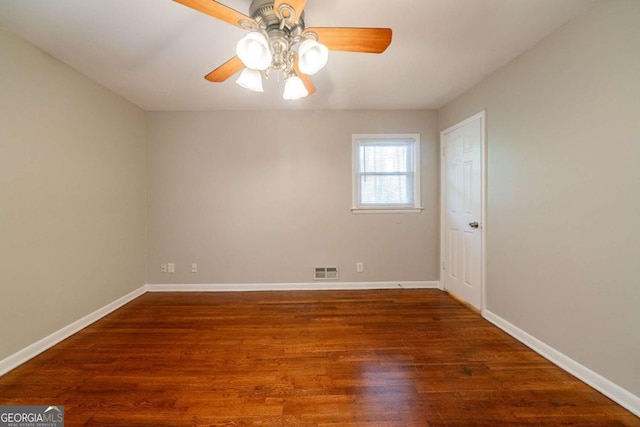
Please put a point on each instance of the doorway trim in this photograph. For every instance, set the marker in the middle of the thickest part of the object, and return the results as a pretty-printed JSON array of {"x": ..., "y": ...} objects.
[{"x": 482, "y": 115}]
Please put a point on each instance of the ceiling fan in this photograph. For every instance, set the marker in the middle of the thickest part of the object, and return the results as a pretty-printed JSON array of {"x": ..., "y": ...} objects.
[{"x": 278, "y": 40}]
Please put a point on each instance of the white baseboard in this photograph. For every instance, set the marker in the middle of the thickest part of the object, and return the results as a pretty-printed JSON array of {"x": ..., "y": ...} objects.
[
  {"x": 313, "y": 286},
  {"x": 613, "y": 391},
  {"x": 45, "y": 343}
]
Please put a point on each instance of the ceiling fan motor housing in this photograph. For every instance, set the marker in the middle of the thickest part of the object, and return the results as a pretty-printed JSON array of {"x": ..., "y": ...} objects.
[{"x": 263, "y": 12}]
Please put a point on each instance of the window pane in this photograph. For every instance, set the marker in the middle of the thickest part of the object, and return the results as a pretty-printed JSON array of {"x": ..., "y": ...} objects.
[
  {"x": 386, "y": 190},
  {"x": 386, "y": 171},
  {"x": 385, "y": 158}
]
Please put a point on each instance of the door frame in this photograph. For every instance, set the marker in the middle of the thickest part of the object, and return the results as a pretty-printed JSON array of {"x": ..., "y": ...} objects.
[{"x": 482, "y": 115}]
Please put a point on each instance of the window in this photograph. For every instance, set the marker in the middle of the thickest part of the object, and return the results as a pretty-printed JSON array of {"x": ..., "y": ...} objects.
[{"x": 386, "y": 173}]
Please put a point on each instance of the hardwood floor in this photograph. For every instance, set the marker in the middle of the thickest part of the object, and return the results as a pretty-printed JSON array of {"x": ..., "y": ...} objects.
[{"x": 325, "y": 358}]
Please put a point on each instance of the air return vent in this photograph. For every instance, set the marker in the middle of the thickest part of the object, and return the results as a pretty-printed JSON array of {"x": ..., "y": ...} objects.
[{"x": 325, "y": 273}]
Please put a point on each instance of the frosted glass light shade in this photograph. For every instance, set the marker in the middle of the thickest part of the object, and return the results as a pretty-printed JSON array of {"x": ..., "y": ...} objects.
[
  {"x": 250, "y": 79},
  {"x": 294, "y": 89},
  {"x": 313, "y": 56},
  {"x": 253, "y": 50}
]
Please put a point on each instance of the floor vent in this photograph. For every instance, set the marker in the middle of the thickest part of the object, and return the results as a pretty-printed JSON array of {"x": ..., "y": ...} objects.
[{"x": 325, "y": 273}]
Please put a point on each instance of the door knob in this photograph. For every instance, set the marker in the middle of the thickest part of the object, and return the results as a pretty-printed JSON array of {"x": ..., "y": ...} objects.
[{"x": 473, "y": 224}]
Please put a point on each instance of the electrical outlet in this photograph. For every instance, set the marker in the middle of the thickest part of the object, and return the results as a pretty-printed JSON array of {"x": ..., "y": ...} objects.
[
  {"x": 163, "y": 268},
  {"x": 359, "y": 267},
  {"x": 194, "y": 268},
  {"x": 171, "y": 267}
]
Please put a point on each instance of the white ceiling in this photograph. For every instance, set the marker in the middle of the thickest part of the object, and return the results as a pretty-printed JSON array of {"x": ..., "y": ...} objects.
[{"x": 156, "y": 52}]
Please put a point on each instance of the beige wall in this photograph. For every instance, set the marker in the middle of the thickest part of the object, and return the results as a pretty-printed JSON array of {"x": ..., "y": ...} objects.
[
  {"x": 563, "y": 235},
  {"x": 263, "y": 197},
  {"x": 72, "y": 195}
]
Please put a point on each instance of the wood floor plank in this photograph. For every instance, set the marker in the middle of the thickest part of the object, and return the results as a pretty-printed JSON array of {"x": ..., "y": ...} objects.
[{"x": 324, "y": 358}]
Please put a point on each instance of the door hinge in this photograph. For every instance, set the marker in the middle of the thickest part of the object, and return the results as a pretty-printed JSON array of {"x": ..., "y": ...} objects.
[
  {"x": 444, "y": 151},
  {"x": 444, "y": 265}
]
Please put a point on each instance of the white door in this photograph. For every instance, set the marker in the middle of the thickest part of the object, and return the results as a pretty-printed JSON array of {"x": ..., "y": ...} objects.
[{"x": 462, "y": 171}]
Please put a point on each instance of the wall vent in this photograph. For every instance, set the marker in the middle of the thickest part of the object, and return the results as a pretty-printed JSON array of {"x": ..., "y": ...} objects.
[{"x": 325, "y": 273}]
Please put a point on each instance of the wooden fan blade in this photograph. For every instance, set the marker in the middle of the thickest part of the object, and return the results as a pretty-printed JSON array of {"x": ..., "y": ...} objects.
[
  {"x": 220, "y": 11},
  {"x": 225, "y": 71},
  {"x": 306, "y": 80},
  {"x": 296, "y": 5},
  {"x": 367, "y": 40}
]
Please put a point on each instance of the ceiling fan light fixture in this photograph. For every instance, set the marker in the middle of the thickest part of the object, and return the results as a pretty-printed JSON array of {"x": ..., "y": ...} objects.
[
  {"x": 250, "y": 79},
  {"x": 294, "y": 88},
  {"x": 313, "y": 56},
  {"x": 279, "y": 40},
  {"x": 253, "y": 50}
]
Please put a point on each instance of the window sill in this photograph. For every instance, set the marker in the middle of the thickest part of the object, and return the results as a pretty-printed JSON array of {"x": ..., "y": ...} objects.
[{"x": 385, "y": 210}]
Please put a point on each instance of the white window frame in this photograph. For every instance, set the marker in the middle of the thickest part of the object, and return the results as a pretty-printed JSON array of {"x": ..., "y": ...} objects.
[{"x": 356, "y": 141}]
